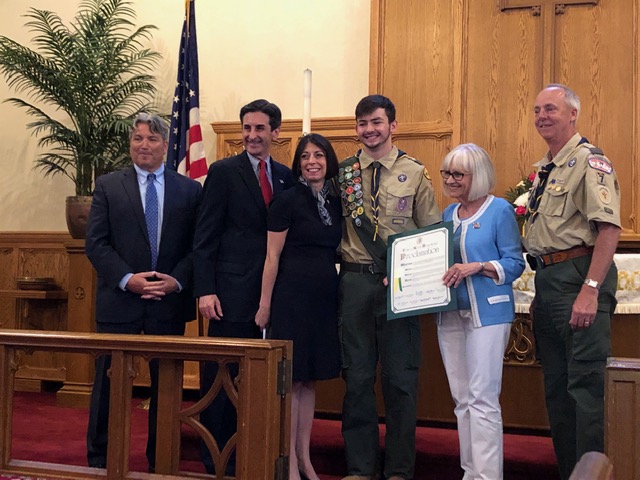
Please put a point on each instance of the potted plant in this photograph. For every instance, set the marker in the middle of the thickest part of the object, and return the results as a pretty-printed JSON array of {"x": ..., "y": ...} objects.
[{"x": 84, "y": 83}]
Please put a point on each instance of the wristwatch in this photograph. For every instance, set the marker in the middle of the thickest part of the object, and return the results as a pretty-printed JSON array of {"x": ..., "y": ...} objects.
[
  {"x": 481, "y": 266},
  {"x": 592, "y": 283}
]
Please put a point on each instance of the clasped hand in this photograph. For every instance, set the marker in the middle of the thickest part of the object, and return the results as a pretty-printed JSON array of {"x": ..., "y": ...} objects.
[{"x": 152, "y": 285}]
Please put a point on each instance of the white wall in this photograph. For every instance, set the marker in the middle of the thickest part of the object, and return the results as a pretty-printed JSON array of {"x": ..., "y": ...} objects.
[{"x": 248, "y": 49}]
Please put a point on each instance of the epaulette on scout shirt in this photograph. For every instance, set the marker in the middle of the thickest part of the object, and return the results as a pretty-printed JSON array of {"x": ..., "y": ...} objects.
[
  {"x": 597, "y": 160},
  {"x": 425, "y": 172}
]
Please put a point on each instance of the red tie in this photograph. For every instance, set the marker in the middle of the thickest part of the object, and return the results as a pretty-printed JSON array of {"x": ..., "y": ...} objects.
[{"x": 265, "y": 186}]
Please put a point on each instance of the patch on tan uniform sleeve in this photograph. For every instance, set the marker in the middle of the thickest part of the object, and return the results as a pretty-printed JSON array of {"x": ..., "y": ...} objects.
[
  {"x": 425, "y": 172},
  {"x": 604, "y": 194},
  {"x": 600, "y": 164}
]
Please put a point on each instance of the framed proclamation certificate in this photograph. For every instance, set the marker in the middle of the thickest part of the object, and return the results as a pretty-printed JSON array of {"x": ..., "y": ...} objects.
[{"x": 416, "y": 262}]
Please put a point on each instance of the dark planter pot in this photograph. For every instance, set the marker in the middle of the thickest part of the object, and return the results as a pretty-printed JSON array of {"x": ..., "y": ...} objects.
[{"x": 77, "y": 211}]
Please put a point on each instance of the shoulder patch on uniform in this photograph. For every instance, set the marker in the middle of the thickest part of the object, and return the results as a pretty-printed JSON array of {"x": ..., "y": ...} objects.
[
  {"x": 600, "y": 164},
  {"x": 425, "y": 173},
  {"x": 408, "y": 157}
]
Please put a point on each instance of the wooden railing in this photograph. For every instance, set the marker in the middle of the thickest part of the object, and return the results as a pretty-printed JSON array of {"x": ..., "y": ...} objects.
[{"x": 262, "y": 439}]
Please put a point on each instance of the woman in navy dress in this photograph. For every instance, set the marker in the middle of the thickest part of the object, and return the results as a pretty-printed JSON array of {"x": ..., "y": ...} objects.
[{"x": 299, "y": 298}]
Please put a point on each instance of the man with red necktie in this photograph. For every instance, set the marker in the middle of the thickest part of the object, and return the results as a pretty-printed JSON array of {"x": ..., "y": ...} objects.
[{"x": 230, "y": 247}]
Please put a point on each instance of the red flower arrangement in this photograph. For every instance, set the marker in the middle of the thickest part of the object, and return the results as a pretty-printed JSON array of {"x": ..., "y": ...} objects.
[{"x": 518, "y": 196}]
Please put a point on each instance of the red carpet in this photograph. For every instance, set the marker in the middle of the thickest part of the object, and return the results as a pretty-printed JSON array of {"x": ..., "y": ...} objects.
[{"x": 44, "y": 432}]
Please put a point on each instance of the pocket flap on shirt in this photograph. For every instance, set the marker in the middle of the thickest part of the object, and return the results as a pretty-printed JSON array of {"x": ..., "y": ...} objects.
[{"x": 497, "y": 299}]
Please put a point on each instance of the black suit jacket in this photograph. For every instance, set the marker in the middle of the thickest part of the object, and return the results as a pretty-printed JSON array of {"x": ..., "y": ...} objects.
[
  {"x": 231, "y": 235},
  {"x": 117, "y": 243}
]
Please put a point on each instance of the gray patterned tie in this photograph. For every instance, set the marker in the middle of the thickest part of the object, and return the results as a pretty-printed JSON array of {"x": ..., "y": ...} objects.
[{"x": 151, "y": 216}]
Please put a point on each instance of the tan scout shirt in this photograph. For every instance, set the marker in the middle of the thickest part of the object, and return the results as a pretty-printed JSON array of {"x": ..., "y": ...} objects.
[
  {"x": 406, "y": 200},
  {"x": 582, "y": 189}
]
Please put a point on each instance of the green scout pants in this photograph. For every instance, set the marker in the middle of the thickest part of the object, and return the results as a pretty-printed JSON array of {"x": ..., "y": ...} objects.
[
  {"x": 367, "y": 336},
  {"x": 573, "y": 361}
]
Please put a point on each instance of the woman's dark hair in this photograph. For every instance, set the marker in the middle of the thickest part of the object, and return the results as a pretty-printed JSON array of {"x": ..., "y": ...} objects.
[{"x": 324, "y": 145}]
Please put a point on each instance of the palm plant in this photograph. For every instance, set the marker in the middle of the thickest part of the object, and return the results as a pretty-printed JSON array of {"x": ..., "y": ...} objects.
[{"x": 94, "y": 75}]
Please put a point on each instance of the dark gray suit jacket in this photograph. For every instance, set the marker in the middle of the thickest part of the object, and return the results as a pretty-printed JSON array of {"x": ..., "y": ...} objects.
[
  {"x": 117, "y": 243},
  {"x": 231, "y": 236}
]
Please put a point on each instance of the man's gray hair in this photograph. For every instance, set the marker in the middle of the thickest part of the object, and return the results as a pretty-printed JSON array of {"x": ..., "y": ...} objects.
[
  {"x": 156, "y": 125},
  {"x": 570, "y": 97}
]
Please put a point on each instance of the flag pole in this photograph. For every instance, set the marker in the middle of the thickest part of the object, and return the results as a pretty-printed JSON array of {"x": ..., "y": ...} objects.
[{"x": 187, "y": 10}]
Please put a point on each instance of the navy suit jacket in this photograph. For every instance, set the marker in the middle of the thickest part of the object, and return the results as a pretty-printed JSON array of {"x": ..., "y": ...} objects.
[
  {"x": 231, "y": 235},
  {"x": 117, "y": 243}
]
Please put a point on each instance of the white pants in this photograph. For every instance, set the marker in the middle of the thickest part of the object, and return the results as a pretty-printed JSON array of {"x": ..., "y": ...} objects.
[{"x": 473, "y": 361}]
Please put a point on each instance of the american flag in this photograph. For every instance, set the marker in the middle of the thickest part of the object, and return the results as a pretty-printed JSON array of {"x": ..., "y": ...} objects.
[{"x": 186, "y": 150}]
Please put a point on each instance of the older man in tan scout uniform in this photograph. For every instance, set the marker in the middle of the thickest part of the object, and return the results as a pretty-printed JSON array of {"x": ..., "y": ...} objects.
[
  {"x": 384, "y": 191},
  {"x": 572, "y": 230}
]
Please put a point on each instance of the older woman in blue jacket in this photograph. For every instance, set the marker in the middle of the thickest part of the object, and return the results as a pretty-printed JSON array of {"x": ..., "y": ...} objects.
[{"x": 487, "y": 259}]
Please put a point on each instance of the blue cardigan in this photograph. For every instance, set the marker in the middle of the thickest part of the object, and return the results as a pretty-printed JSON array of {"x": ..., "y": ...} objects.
[{"x": 491, "y": 235}]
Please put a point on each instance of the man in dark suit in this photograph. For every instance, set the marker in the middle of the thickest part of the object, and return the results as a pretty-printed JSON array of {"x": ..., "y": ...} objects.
[
  {"x": 139, "y": 239},
  {"x": 231, "y": 245}
]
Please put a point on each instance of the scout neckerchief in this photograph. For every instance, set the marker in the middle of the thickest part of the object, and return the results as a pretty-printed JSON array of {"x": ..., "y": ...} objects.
[{"x": 543, "y": 175}]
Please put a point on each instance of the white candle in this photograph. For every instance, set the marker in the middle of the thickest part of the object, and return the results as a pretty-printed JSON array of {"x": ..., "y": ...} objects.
[{"x": 306, "y": 115}]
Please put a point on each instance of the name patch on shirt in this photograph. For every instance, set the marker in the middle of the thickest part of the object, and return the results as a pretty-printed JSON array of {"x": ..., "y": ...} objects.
[
  {"x": 600, "y": 165},
  {"x": 498, "y": 299}
]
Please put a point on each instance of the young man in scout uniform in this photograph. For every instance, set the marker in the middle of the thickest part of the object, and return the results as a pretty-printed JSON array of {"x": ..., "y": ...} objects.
[
  {"x": 384, "y": 191},
  {"x": 572, "y": 230}
]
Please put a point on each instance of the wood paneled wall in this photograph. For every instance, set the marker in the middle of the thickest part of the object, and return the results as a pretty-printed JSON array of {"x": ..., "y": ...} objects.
[{"x": 475, "y": 67}]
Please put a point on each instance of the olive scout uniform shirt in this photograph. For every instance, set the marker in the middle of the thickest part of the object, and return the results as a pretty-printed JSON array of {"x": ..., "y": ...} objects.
[
  {"x": 406, "y": 198},
  {"x": 581, "y": 189}
]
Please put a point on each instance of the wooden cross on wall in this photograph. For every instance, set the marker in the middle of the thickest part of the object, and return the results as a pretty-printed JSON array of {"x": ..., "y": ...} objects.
[{"x": 548, "y": 10}]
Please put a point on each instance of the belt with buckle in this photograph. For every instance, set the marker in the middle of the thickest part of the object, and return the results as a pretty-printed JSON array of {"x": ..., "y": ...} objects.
[
  {"x": 371, "y": 268},
  {"x": 562, "y": 256}
]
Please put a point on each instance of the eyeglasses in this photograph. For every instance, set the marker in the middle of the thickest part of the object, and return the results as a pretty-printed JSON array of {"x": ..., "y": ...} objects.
[{"x": 456, "y": 175}]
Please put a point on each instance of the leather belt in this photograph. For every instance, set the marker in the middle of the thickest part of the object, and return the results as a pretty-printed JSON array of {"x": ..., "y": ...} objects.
[
  {"x": 562, "y": 256},
  {"x": 370, "y": 268}
]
